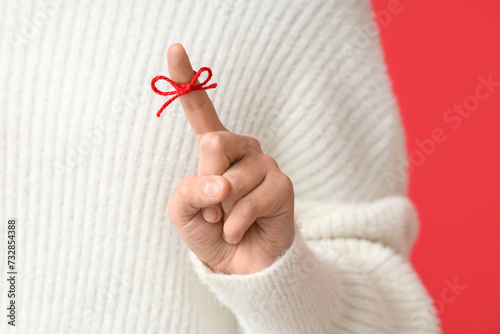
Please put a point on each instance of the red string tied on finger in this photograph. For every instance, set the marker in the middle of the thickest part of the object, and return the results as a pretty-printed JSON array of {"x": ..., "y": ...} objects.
[{"x": 181, "y": 89}]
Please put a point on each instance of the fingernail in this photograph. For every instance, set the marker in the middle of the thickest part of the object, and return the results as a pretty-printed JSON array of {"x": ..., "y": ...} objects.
[
  {"x": 210, "y": 213},
  {"x": 228, "y": 239},
  {"x": 212, "y": 188}
]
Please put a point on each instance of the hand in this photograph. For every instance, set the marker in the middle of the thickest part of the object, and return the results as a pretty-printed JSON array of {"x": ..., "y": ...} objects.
[{"x": 237, "y": 215}]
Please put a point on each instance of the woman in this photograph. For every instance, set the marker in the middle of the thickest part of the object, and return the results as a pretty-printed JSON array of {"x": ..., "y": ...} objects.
[{"x": 306, "y": 229}]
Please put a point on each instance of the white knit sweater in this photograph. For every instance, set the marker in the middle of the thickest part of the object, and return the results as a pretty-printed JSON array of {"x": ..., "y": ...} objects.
[{"x": 88, "y": 169}]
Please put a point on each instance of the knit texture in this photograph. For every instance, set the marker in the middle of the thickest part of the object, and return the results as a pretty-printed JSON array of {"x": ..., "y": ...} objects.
[{"x": 87, "y": 168}]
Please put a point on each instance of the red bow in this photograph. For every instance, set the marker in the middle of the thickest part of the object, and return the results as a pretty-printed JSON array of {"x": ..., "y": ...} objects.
[{"x": 181, "y": 89}]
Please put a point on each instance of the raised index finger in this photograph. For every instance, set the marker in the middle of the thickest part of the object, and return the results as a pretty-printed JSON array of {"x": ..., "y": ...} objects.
[{"x": 197, "y": 106}]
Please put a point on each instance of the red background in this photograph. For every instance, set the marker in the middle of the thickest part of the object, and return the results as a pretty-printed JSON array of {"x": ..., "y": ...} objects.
[{"x": 435, "y": 51}]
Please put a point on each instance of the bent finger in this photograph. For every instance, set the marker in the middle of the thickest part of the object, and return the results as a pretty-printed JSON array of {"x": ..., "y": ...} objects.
[
  {"x": 245, "y": 176},
  {"x": 271, "y": 198}
]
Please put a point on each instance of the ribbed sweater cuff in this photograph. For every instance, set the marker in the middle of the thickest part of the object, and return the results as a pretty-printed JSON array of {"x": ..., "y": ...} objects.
[{"x": 279, "y": 299}]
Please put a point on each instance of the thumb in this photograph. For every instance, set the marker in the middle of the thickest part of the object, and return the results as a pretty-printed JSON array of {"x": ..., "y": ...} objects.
[{"x": 194, "y": 193}]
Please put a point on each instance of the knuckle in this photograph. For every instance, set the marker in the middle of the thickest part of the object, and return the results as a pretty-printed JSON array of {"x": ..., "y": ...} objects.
[
  {"x": 248, "y": 207},
  {"x": 269, "y": 161},
  {"x": 283, "y": 184},
  {"x": 172, "y": 210},
  {"x": 210, "y": 142},
  {"x": 255, "y": 143},
  {"x": 252, "y": 144},
  {"x": 184, "y": 188}
]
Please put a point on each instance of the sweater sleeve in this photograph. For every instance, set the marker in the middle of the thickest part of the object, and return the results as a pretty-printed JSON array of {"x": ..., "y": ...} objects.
[
  {"x": 339, "y": 138},
  {"x": 327, "y": 286}
]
